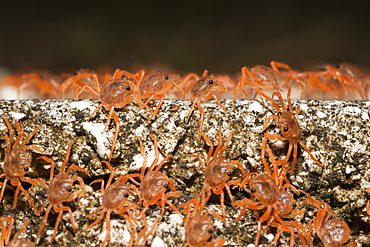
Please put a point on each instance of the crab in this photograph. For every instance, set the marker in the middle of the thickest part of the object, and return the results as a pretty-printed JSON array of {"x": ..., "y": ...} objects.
[
  {"x": 115, "y": 93},
  {"x": 60, "y": 190},
  {"x": 289, "y": 128},
  {"x": 81, "y": 78},
  {"x": 153, "y": 186},
  {"x": 217, "y": 172},
  {"x": 349, "y": 75},
  {"x": 202, "y": 90},
  {"x": 199, "y": 228},
  {"x": 154, "y": 86},
  {"x": 277, "y": 202},
  {"x": 17, "y": 162},
  {"x": 115, "y": 200},
  {"x": 261, "y": 78},
  {"x": 332, "y": 232}
]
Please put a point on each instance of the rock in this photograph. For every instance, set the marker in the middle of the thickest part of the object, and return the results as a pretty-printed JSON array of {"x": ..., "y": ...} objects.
[{"x": 336, "y": 132}]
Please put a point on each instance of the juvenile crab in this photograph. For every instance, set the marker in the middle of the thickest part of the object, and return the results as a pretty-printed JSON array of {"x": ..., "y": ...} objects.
[
  {"x": 277, "y": 202},
  {"x": 202, "y": 90},
  {"x": 218, "y": 171},
  {"x": 153, "y": 186},
  {"x": 289, "y": 128},
  {"x": 115, "y": 93},
  {"x": 115, "y": 200},
  {"x": 261, "y": 78},
  {"x": 315, "y": 84},
  {"x": 47, "y": 84},
  {"x": 332, "y": 232},
  {"x": 6, "y": 231},
  {"x": 17, "y": 162},
  {"x": 59, "y": 191},
  {"x": 154, "y": 86},
  {"x": 348, "y": 74},
  {"x": 81, "y": 78},
  {"x": 200, "y": 227}
]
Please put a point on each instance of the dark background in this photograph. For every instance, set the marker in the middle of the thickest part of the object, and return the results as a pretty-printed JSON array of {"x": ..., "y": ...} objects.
[{"x": 187, "y": 36}]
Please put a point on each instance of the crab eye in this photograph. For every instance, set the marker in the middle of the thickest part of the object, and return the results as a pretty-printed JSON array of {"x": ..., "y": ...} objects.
[
  {"x": 69, "y": 189},
  {"x": 210, "y": 82},
  {"x": 128, "y": 88},
  {"x": 166, "y": 77},
  {"x": 294, "y": 205},
  {"x": 210, "y": 230},
  {"x": 279, "y": 114},
  {"x": 125, "y": 77},
  {"x": 253, "y": 190},
  {"x": 285, "y": 129},
  {"x": 126, "y": 194},
  {"x": 229, "y": 173},
  {"x": 166, "y": 186},
  {"x": 26, "y": 169},
  {"x": 158, "y": 71},
  {"x": 253, "y": 175},
  {"x": 75, "y": 72}
]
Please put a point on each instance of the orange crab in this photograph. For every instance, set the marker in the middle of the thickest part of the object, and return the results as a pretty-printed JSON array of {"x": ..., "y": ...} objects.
[
  {"x": 115, "y": 200},
  {"x": 81, "y": 78},
  {"x": 314, "y": 83},
  {"x": 261, "y": 78},
  {"x": 45, "y": 82},
  {"x": 289, "y": 128},
  {"x": 199, "y": 228},
  {"x": 332, "y": 232},
  {"x": 350, "y": 75},
  {"x": 202, "y": 90},
  {"x": 17, "y": 162},
  {"x": 115, "y": 93},
  {"x": 153, "y": 186},
  {"x": 60, "y": 190},
  {"x": 272, "y": 195},
  {"x": 277, "y": 202},
  {"x": 217, "y": 172},
  {"x": 154, "y": 86}
]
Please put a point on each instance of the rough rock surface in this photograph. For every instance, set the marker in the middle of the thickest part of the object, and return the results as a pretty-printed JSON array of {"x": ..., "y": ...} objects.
[{"x": 336, "y": 132}]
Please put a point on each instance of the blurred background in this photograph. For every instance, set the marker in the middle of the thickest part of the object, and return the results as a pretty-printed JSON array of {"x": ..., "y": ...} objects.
[{"x": 187, "y": 36}]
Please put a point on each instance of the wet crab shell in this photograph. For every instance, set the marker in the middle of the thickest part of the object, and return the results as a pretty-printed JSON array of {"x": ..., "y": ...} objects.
[
  {"x": 265, "y": 189},
  {"x": 334, "y": 233},
  {"x": 289, "y": 126},
  {"x": 16, "y": 163},
  {"x": 199, "y": 229},
  {"x": 265, "y": 74},
  {"x": 152, "y": 184},
  {"x": 60, "y": 188},
  {"x": 351, "y": 71},
  {"x": 19, "y": 242},
  {"x": 115, "y": 194},
  {"x": 116, "y": 91},
  {"x": 204, "y": 85},
  {"x": 152, "y": 83},
  {"x": 217, "y": 171},
  {"x": 286, "y": 198}
]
